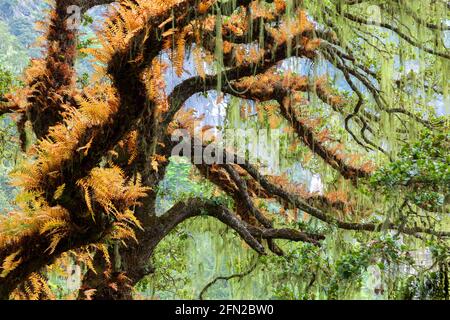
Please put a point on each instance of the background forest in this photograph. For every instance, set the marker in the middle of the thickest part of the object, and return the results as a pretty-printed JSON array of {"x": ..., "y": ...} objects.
[{"x": 202, "y": 258}]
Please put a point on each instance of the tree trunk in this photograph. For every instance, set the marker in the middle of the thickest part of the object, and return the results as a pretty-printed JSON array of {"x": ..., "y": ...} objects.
[
  {"x": 128, "y": 264},
  {"x": 116, "y": 281}
]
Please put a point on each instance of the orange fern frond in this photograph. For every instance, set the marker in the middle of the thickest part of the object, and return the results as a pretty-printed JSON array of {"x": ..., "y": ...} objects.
[{"x": 10, "y": 263}]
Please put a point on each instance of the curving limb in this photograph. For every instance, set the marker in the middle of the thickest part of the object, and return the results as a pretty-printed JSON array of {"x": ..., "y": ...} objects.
[{"x": 226, "y": 278}]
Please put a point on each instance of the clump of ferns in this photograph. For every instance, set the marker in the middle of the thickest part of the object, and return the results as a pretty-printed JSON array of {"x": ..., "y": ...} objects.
[
  {"x": 108, "y": 187},
  {"x": 115, "y": 195}
]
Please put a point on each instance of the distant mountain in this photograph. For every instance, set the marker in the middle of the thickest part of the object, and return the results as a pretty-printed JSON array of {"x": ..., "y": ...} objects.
[
  {"x": 18, "y": 33},
  {"x": 13, "y": 9},
  {"x": 20, "y": 16}
]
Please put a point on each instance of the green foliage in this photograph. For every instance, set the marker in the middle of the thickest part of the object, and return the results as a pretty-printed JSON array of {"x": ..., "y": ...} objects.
[
  {"x": 6, "y": 81},
  {"x": 422, "y": 167},
  {"x": 9, "y": 147},
  {"x": 425, "y": 161},
  {"x": 431, "y": 286},
  {"x": 170, "y": 280},
  {"x": 178, "y": 185},
  {"x": 83, "y": 80}
]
